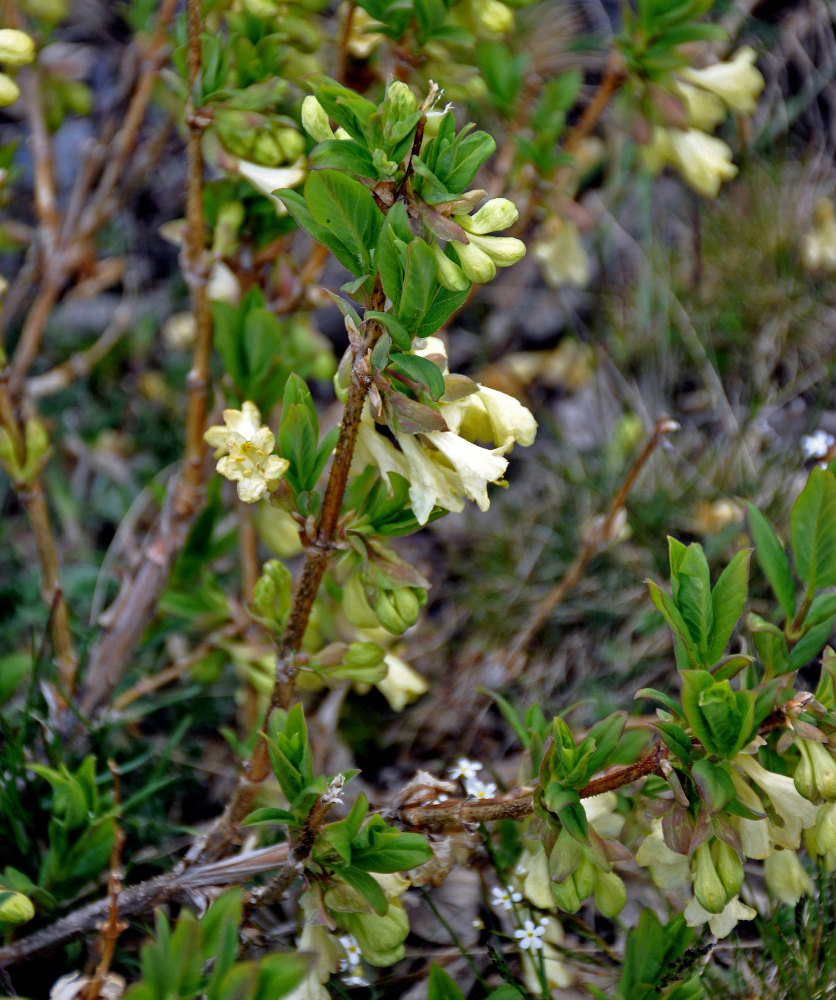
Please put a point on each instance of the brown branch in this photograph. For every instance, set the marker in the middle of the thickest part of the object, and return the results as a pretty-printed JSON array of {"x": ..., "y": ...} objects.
[
  {"x": 110, "y": 930},
  {"x": 32, "y": 497},
  {"x": 140, "y": 898},
  {"x": 519, "y": 804},
  {"x": 593, "y": 543},
  {"x": 614, "y": 75},
  {"x": 257, "y": 768}
]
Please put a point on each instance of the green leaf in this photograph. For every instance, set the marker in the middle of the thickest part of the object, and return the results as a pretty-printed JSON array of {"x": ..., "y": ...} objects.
[
  {"x": 694, "y": 597},
  {"x": 565, "y": 803},
  {"x": 813, "y": 530},
  {"x": 671, "y": 614},
  {"x": 823, "y": 606},
  {"x": 676, "y": 739},
  {"x": 346, "y": 207},
  {"x": 421, "y": 370},
  {"x": 670, "y": 704},
  {"x": 605, "y": 736},
  {"x": 298, "y": 208},
  {"x": 811, "y": 643},
  {"x": 441, "y": 986},
  {"x": 772, "y": 558},
  {"x": 401, "y": 337},
  {"x": 714, "y": 782},
  {"x": 268, "y": 814},
  {"x": 419, "y": 282},
  {"x": 344, "y": 154},
  {"x": 728, "y": 599},
  {"x": 366, "y": 885}
]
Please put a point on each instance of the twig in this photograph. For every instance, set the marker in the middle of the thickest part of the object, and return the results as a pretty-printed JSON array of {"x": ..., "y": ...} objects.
[
  {"x": 592, "y": 544},
  {"x": 109, "y": 931},
  {"x": 257, "y": 768},
  {"x": 145, "y": 895}
]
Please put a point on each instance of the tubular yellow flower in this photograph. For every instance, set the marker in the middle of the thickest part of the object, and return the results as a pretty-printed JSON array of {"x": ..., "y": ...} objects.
[
  {"x": 736, "y": 82},
  {"x": 315, "y": 120},
  {"x": 702, "y": 161},
  {"x": 561, "y": 255},
  {"x": 786, "y": 878},
  {"x": 720, "y": 924},
  {"x": 794, "y": 811},
  {"x": 401, "y": 684},
  {"x": 248, "y": 461}
]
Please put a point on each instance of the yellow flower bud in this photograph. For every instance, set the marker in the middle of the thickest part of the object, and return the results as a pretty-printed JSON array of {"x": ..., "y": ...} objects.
[
  {"x": 826, "y": 828},
  {"x": 729, "y": 868},
  {"x": 16, "y": 47},
  {"x": 315, "y": 120},
  {"x": 503, "y": 250},
  {"x": 494, "y": 215},
  {"x": 15, "y": 908},
  {"x": 476, "y": 264},
  {"x": 493, "y": 16},
  {"x": 708, "y": 889},
  {"x": 448, "y": 272},
  {"x": 566, "y": 895},
  {"x": 610, "y": 894},
  {"x": 584, "y": 876},
  {"x": 356, "y": 605},
  {"x": 9, "y": 91}
]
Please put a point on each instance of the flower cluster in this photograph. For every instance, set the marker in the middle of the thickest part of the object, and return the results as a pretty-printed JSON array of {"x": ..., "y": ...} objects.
[
  {"x": 482, "y": 254},
  {"x": 245, "y": 451},
  {"x": 445, "y": 468},
  {"x": 707, "y": 95}
]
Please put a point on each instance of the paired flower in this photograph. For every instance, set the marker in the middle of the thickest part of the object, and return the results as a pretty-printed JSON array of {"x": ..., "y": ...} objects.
[
  {"x": 482, "y": 254},
  {"x": 736, "y": 82},
  {"x": 246, "y": 448}
]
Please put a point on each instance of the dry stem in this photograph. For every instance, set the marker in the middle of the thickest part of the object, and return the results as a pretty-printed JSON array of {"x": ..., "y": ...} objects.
[{"x": 592, "y": 544}]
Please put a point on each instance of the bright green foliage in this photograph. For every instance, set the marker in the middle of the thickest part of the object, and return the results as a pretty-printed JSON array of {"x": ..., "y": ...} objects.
[{"x": 197, "y": 959}]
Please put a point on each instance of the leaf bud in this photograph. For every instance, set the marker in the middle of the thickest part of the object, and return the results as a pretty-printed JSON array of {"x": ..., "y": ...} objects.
[
  {"x": 496, "y": 214},
  {"x": 709, "y": 890},
  {"x": 9, "y": 91},
  {"x": 729, "y": 867},
  {"x": 610, "y": 894},
  {"x": 16, "y": 47},
  {"x": 8, "y": 458},
  {"x": 315, "y": 120},
  {"x": 15, "y": 908}
]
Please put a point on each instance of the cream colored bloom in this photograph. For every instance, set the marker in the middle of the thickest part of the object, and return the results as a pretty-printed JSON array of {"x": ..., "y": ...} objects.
[
  {"x": 248, "y": 461},
  {"x": 755, "y": 840},
  {"x": 736, "y": 82},
  {"x": 703, "y": 109},
  {"x": 601, "y": 815},
  {"x": 721, "y": 924},
  {"x": 794, "y": 811},
  {"x": 270, "y": 179},
  {"x": 561, "y": 255},
  {"x": 537, "y": 886},
  {"x": 818, "y": 248},
  {"x": 786, "y": 877},
  {"x": 16, "y": 47},
  {"x": 401, "y": 684},
  {"x": 702, "y": 160},
  {"x": 668, "y": 869}
]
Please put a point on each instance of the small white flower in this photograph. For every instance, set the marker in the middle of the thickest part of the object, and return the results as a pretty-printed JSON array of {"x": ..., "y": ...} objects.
[
  {"x": 480, "y": 789},
  {"x": 505, "y": 898},
  {"x": 530, "y": 936},
  {"x": 352, "y": 952},
  {"x": 465, "y": 769},
  {"x": 355, "y": 981},
  {"x": 816, "y": 445}
]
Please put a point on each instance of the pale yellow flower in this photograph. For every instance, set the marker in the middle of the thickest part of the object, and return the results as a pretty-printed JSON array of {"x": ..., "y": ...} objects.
[
  {"x": 818, "y": 248},
  {"x": 793, "y": 810},
  {"x": 270, "y": 179},
  {"x": 723, "y": 923},
  {"x": 401, "y": 684},
  {"x": 702, "y": 160},
  {"x": 561, "y": 255},
  {"x": 668, "y": 869},
  {"x": 786, "y": 877},
  {"x": 248, "y": 461},
  {"x": 736, "y": 82}
]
